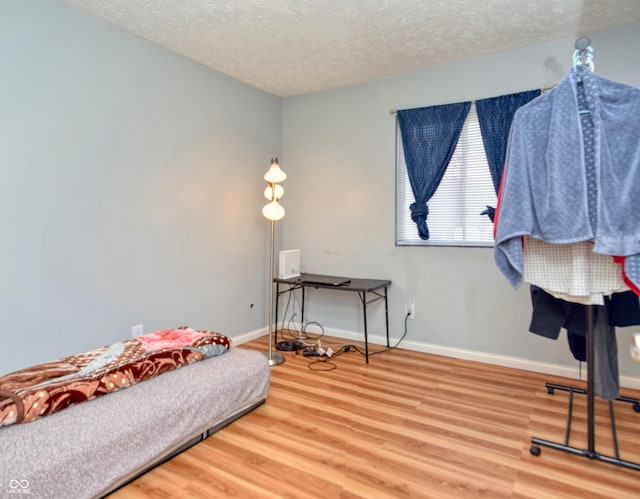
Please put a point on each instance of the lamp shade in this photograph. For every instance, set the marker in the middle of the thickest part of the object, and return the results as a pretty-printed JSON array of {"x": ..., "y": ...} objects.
[
  {"x": 273, "y": 211},
  {"x": 275, "y": 174},
  {"x": 274, "y": 193}
]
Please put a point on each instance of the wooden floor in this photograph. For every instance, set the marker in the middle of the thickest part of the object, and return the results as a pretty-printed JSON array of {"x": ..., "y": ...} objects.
[{"x": 406, "y": 425}]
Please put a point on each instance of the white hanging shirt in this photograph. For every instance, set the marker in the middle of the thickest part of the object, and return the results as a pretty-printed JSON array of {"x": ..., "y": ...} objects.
[{"x": 571, "y": 272}]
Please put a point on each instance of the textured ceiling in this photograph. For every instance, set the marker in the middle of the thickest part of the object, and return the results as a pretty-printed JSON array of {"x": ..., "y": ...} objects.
[{"x": 294, "y": 47}]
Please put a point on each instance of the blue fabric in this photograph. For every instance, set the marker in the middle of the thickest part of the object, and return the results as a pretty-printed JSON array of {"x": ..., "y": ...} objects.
[
  {"x": 429, "y": 138},
  {"x": 495, "y": 116},
  {"x": 547, "y": 192},
  {"x": 624, "y": 309}
]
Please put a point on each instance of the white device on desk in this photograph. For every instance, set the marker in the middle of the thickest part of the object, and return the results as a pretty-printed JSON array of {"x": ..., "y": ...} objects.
[{"x": 289, "y": 264}]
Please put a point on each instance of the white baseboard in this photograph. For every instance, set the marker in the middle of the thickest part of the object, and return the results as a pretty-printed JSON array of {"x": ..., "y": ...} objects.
[
  {"x": 458, "y": 353},
  {"x": 251, "y": 335}
]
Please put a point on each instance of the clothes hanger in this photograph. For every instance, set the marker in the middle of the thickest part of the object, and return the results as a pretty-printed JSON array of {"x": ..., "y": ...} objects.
[{"x": 583, "y": 60}]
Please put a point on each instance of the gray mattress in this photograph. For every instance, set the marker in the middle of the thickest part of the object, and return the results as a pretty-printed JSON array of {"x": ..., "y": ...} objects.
[{"x": 93, "y": 448}]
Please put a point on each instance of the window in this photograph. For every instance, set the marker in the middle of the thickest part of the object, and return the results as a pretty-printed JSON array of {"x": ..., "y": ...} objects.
[{"x": 454, "y": 210}]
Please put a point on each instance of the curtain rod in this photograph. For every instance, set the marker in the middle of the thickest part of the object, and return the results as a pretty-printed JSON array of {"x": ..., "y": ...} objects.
[{"x": 542, "y": 90}]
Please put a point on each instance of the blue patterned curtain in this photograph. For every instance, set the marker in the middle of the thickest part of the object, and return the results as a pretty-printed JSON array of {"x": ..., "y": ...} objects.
[
  {"x": 495, "y": 116},
  {"x": 429, "y": 138}
]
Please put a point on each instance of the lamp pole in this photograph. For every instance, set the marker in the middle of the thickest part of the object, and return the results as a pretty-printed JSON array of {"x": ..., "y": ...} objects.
[{"x": 274, "y": 358}]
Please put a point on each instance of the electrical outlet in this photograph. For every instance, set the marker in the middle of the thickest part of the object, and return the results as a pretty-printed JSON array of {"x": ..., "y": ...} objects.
[
  {"x": 137, "y": 330},
  {"x": 411, "y": 310}
]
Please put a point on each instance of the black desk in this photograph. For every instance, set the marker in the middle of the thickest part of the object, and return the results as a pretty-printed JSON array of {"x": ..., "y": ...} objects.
[{"x": 369, "y": 291}]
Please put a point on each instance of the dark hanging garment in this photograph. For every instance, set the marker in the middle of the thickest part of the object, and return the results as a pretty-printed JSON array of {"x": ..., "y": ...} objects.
[{"x": 550, "y": 314}]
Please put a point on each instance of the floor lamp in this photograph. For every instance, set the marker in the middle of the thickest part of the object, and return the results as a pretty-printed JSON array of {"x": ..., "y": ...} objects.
[{"x": 273, "y": 211}]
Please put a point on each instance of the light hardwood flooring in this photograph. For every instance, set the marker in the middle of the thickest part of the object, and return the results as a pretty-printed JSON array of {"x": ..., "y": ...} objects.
[{"x": 406, "y": 425}]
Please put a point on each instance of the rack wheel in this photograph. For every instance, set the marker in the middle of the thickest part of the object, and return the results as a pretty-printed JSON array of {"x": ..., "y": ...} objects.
[
  {"x": 550, "y": 390},
  {"x": 636, "y": 407},
  {"x": 535, "y": 450}
]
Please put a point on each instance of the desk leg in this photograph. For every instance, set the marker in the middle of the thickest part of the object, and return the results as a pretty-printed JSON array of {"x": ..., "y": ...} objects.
[
  {"x": 386, "y": 314},
  {"x": 363, "y": 297}
]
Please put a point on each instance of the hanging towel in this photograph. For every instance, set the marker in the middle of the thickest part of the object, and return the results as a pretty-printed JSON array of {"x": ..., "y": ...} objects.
[{"x": 545, "y": 191}]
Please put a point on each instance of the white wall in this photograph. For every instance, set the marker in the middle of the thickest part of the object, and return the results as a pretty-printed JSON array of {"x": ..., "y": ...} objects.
[
  {"x": 340, "y": 150},
  {"x": 130, "y": 188}
]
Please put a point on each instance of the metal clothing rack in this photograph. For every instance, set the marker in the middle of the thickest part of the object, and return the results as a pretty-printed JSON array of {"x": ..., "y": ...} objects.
[{"x": 583, "y": 56}]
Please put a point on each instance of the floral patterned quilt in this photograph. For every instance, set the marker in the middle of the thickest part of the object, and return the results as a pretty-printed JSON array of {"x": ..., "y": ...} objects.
[{"x": 47, "y": 388}]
